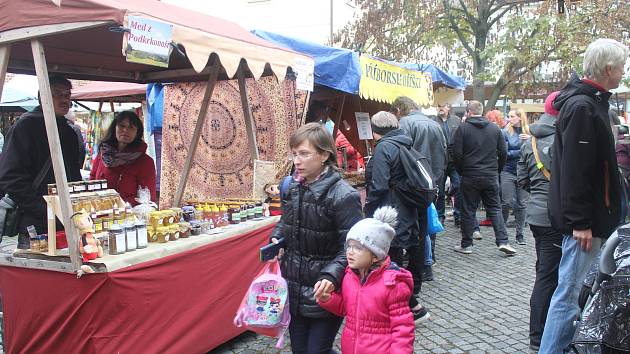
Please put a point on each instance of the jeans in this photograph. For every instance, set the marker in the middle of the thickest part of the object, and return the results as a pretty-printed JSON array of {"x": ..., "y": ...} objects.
[
  {"x": 564, "y": 309},
  {"x": 486, "y": 189},
  {"x": 513, "y": 197},
  {"x": 548, "y": 254},
  {"x": 313, "y": 335},
  {"x": 440, "y": 204},
  {"x": 428, "y": 250}
]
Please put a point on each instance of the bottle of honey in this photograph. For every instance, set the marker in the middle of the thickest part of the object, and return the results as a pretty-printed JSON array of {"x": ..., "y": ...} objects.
[{"x": 207, "y": 212}]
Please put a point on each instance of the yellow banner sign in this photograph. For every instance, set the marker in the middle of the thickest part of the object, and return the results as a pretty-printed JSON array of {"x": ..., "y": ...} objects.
[{"x": 384, "y": 82}]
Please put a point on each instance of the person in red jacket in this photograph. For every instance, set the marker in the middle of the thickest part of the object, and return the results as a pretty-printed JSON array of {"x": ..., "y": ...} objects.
[
  {"x": 122, "y": 158},
  {"x": 354, "y": 160},
  {"x": 375, "y": 292}
]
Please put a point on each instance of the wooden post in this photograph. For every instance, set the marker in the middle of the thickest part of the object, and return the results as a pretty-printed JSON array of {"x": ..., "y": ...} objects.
[
  {"x": 212, "y": 80},
  {"x": 5, "y": 53},
  {"x": 55, "y": 151},
  {"x": 338, "y": 117},
  {"x": 247, "y": 113},
  {"x": 305, "y": 111}
]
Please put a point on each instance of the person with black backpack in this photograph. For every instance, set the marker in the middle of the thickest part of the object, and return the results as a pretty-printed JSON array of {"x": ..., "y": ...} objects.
[
  {"x": 479, "y": 153},
  {"x": 384, "y": 174}
]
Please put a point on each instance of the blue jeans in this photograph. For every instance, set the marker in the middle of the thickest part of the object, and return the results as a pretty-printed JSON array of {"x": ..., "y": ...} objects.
[
  {"x": 428, "y": 250},
  {"x": 563, "y": 308}
]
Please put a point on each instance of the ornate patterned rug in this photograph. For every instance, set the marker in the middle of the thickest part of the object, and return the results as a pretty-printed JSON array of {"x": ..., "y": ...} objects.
[{"x": 222, "y": 167}]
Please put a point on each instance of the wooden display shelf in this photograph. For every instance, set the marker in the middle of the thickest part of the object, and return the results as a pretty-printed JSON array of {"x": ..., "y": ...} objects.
[{"x": 53, "y": 206}]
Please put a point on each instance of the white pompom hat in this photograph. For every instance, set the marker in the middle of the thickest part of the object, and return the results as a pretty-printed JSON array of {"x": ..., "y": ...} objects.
[{"x": 376, "y": 233}]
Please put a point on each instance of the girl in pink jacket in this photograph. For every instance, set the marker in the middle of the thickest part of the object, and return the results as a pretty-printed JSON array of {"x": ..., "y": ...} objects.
[{"x": 375, "y": 292}]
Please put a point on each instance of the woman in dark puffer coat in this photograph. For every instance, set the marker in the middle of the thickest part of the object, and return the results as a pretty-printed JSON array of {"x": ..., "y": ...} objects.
[{"x": 317, "y": 211}]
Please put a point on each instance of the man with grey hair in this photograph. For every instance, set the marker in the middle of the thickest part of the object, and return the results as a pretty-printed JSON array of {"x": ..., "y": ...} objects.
[
  {"x": 384, "y": 170},
  {"x": 479, "y": 153},
  {"x": 584, "y": 194},
  {"x": 429, "y": 140}
]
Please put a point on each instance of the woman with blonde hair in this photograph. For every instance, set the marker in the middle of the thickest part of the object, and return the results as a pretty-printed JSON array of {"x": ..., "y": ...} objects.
[{"x": 516, "y": 132}]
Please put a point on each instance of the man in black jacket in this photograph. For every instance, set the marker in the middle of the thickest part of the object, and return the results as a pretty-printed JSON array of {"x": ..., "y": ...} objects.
[
  {"x": 26, "y": 153},
  {"x": 382, "y": 172},
  {"x": 584, "y": 195},
  {"x": 479, "y": 153}
]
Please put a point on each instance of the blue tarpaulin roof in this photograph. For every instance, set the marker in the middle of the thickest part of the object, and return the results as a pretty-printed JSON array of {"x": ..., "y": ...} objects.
[
  {"x": 334, "y": 67},
  {"x": 340, "y": 69},
  {"x": 437, "y": 74}
]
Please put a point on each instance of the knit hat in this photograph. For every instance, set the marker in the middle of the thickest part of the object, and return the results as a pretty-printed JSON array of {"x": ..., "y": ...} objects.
[
  {"x": 549, "y": 104},
  {"x": 376, "y": 233}
]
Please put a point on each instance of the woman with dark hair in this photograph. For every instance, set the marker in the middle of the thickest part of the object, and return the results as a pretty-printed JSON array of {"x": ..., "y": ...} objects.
[
  {"x": 318, "y": 209},
  {"x": 122, "y": 158}
]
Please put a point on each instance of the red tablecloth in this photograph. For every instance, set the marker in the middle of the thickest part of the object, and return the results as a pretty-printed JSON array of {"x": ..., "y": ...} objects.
[{"x": 178, "y": 304}]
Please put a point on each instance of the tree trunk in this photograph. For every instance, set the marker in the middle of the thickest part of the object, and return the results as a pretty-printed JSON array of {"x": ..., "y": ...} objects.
[
  {"x": 500, "y": 85},
  {"x": 478, "y": 88}
]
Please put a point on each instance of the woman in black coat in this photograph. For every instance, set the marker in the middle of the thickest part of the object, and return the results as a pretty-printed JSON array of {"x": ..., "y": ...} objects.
[{"x": 317, "y": 211}]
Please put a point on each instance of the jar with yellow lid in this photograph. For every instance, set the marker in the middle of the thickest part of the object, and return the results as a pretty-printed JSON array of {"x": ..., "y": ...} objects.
[
  {"x": 97, "y": 220},
  {"x": 216, "y": 214},
  {"x": 155, "y": 219},
  {"x": 184, "y": 229},
  {"x": 178, "y": 213},
  {"x": 162, "y": 234},
  {"x": 168, "y": 217},
  {"x": 174, "y": 232}
]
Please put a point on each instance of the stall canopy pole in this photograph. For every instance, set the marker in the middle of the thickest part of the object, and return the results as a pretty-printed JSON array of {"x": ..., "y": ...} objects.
[
  {"x": 250, "y": 126},
  {"x": 302, "y": 119},
  {"x": 201, "y": 119},
  {"x": 339, "y": 115},
  {"x": 5, "y": 53},
  {"x": 55, "y": 150}
]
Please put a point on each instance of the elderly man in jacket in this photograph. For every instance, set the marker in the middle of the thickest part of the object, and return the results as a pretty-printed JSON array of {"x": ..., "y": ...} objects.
[
  {"x": 383, "y": 170},
  {"x": 584, "y": 195},
  {"x": 26, "y": 155},
  {"x": 449, "y": 124},
  {"x": 429, "y": 140}
]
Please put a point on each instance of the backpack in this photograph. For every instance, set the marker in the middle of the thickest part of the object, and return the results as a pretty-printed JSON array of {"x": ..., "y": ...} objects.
[
  {"x": 265, "y": 307},
  {"x": 418, "y": 188}
]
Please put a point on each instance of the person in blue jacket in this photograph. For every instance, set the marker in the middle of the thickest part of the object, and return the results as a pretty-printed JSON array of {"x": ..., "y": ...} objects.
[{"x": 513, "y": 197}]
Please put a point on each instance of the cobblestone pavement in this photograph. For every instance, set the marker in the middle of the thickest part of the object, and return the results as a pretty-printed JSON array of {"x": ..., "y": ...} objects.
[{"x": 479, "y": 303}]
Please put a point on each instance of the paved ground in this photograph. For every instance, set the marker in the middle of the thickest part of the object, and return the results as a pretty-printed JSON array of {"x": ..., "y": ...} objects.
[{"x": 479, "y": 303}]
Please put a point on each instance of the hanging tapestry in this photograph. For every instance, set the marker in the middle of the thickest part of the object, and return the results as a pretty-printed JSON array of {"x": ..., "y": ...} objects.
[{"x": 222, "y": 167}]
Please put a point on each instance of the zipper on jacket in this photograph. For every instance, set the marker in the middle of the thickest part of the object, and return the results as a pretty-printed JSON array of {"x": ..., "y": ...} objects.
[
  {"x": 606, "y": 186},
  {"x": 356, "y": 315}
]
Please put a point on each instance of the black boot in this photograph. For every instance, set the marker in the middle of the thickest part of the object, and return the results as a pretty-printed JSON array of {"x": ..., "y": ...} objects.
[{"x": 427, "y": 273}]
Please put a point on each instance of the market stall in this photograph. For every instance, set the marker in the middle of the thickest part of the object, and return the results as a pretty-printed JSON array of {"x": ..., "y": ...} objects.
[
  {"x": 189, "y": 285},
  {"x": 355, "y": 86}
]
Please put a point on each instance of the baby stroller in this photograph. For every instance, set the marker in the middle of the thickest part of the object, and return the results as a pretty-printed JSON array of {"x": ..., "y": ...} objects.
[{"x": 604, "y": 326}]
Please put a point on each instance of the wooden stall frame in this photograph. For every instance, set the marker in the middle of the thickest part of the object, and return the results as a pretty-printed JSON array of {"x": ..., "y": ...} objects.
[
  {"x": 250, "y": 125},
  {"x": 54, "y": 145},
  {"x": 41, "y": 68}
]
